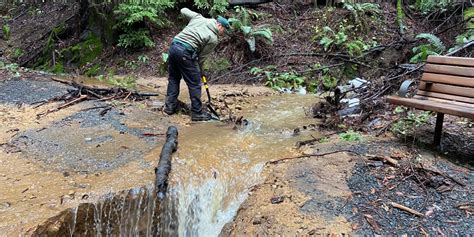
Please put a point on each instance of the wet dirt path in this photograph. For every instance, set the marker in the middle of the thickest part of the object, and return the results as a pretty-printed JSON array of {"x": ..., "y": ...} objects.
[{"x": 72, "y": 156}]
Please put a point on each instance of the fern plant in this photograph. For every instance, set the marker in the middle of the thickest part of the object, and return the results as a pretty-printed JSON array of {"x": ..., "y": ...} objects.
[
  {"x": 427, "y": 6},
  {"x": 132, "y": 20},
  {"x": 242, "y": 23},
  {"x": 213, "y": 6},
  {"x": 358, "y": 11},
  {"x": 434, "y": 47}
]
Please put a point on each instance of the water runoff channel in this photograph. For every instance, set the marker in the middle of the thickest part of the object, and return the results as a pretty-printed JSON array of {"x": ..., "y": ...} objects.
[{"x": 213, "y": 170}]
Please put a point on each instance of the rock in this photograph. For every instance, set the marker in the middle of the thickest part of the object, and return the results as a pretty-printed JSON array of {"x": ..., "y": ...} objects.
[{"x": 277, "y": 200}]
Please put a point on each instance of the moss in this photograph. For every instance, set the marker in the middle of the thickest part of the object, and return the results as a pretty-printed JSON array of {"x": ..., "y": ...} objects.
[{"x": 83, "y": 52}]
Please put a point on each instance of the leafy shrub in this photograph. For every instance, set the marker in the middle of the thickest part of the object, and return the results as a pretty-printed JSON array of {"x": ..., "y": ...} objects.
[
  {"x": 241, "y": 22},
  {"x": 340, "y": 40},
  {"x": 279, "y": 81},
  {"x": 434, "y": 47},
  {"x": 427, "y": 6},
  {"x": 132, "y": 20},
  {"x": 6, "y": 32},
  {"x": 329, "y": 82}
]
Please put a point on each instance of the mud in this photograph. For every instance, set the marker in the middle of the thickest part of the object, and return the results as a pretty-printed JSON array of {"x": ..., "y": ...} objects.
[{"x": 76, "y": 155}]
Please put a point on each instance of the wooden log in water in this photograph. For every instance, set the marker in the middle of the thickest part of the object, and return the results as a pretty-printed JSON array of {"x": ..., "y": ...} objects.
[{"x": 164, "y": 165}]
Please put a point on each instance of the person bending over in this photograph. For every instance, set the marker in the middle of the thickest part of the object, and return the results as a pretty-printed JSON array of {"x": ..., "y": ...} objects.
[{"x": 187, "y": 53}]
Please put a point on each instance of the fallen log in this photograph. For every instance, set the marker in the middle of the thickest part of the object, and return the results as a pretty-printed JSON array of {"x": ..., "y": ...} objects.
[{"x": 164, "y": 165}]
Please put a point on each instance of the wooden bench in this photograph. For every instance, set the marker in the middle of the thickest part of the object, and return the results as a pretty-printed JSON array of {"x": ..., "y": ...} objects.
[{"x": 446, "y": 87}]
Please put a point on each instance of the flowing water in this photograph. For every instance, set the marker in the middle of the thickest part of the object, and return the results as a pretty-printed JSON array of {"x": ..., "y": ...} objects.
[
  {"x": 212, "y": 173},
  {"x": 216, "y": 166}
]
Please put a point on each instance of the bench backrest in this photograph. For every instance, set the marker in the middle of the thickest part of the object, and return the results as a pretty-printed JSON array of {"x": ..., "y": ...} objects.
[{"x": 448, "y": 78}]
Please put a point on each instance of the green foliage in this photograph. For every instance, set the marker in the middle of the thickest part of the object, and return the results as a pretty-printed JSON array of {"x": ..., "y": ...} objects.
[
  {"x": 329, "y": 82},
  {"x": 360, "y": 10},
  {"x": 340, "y": 40},
  {"x": 350, "y": 136},
  {"x": 132, "y": 19},
  {"x": 93, "y": 71},
  {"x": 407, "y": 125},
  {"x": 324, "y": 140},
  {"x": 6, "y": 31},
  {"x": 279, "y": 81},
  {"x": 242, "y": 23},
  {"x": 468, "y": 35},
  {"x": 131, "y": 64},
  {"x": 215, "y": 7},
  {"x": 427, "y": 6},
  {"x": 143, "y": 59},
  {"x": 434, "y": 47},
  {"x": 83, "y": 52},
  {"x": 17, "y": 53},
  {"x": 11, "y": 67}
]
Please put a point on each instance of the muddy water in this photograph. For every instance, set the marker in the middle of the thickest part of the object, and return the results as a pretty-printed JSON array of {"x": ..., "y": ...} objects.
[
  {"x": 215, "y": 165},
  {"x": 213, "y": 170}
]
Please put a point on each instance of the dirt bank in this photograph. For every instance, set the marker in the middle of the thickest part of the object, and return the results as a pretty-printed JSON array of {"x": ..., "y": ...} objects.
[{"x": 348, "y": 193}]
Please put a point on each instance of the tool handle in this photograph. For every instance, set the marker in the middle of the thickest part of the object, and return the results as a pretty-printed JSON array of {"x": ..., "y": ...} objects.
[{"x": 204, "y": 81}]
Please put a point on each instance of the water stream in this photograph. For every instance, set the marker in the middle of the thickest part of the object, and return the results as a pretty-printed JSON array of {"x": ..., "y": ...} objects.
[
  {"x": 215, "y": 166},
  {"x": 212, "y": 172}
]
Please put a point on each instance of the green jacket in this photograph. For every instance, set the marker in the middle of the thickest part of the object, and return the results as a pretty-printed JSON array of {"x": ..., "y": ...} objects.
[{"x": 201, "y": 33}]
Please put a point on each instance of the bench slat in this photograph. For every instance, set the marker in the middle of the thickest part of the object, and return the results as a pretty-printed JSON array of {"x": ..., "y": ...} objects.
[
  {"x": 447, "y": 89},
  {"x": 448, "y": 79},
  {"x": 444, "y": 101},
  {"x": 450, "y": 70},
  {"x": 466, "y": 110},
  {"x": 445, "y": 96},
  {"x": 459, "y": 61}
]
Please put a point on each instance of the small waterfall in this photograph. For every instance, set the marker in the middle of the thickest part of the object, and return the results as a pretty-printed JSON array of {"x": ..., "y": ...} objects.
[{"x": 128, "y": 213}]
